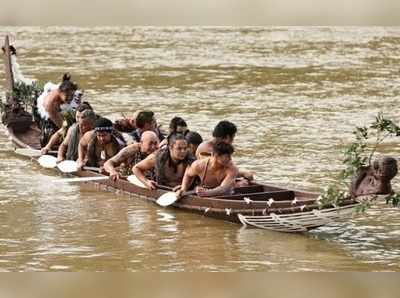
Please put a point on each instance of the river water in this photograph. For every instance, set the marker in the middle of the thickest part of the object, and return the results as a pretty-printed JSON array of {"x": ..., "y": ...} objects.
[{"x": 295, "y": 93}]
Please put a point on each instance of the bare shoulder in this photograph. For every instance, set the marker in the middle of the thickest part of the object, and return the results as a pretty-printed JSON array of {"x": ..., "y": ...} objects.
[
  {"x": 87, "y": 136},
  {"x": 198, "y": 165},
  {"x": 131, "y": 149}
]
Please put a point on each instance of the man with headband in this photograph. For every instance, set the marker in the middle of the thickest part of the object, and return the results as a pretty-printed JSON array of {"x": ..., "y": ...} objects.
[{"x": 99, "y": 145}]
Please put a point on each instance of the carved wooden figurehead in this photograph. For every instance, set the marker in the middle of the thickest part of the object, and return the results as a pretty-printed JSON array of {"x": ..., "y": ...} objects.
[{"x": 375, "y": 179}]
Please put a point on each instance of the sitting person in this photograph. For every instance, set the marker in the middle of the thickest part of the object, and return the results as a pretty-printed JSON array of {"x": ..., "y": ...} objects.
[
  {"x": 132, "y": 154},
  {"x": 169, "y": 164},
  {"x": 60, "y": 134},
  {"x": 224, "y": 131},
  {"x": 69, "y": 147},
  {"x": 194, "y": 139},
  {"x": 217, "y": 173},
  {"x": 176, "y": 125},
  {"x": 99, "y": 145},
  {"x": 145, "y": 121},
  {"x": 49, "y": 107}
]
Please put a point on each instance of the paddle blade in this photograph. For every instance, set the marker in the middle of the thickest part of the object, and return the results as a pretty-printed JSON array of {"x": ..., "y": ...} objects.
[
  {"x": 134, "y": 180},
  {"x": 167, "y": 199},
  {"x": 68, "y": 166},
  {"x": 48, "y": 161},
  {"x": 29, "y": 152}
]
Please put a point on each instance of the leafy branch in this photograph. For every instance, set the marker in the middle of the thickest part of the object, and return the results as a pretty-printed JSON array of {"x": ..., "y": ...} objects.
[{"x": 359, "y": 154}]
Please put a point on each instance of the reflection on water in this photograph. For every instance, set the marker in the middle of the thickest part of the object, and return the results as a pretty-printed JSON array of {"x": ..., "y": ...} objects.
[{"x": 295, "y": 93}]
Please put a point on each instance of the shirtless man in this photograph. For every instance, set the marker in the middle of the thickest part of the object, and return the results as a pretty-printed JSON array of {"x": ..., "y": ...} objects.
[
  {"x": 169, "y": 164},
  {"x": 69, "y": 147},
  {"x": 132, "y": 154},
  {"x": 98, "y": 145},
  {"x": 217, "y": 173},
  {"x": 50, "y": 108},
  {"x": 225, "y": 131}
]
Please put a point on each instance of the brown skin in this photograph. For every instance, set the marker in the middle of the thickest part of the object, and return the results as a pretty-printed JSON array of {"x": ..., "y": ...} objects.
[
  {"x": 84, "y": 127},
  {"x": 178, "y": 151},
  {"x": 103, "y": 139},
  {"x": 220, "y": 176},
  {"x": 205, "y": 150},
  {"x": 148, "y": 144},
  {"x": 56, "y": 138},
  {"x": 52, "y": 104}
]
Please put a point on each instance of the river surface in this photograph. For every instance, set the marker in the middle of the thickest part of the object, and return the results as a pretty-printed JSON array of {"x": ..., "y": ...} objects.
[{"x": 295, "y": 93}]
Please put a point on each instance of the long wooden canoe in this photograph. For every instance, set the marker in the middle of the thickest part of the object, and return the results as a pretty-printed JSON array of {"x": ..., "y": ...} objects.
[{"x": 259, "y": 205}]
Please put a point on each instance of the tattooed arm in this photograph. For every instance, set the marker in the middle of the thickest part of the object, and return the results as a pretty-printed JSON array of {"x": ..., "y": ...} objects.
[{"x": 117, "y": 160}]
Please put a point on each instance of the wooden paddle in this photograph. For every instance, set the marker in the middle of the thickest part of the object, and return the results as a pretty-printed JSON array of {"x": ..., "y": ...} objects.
[
  {"x": 71, "y": 166},
  {"x": 80, "y": 179},
  {"x": 48, "y": 161},
  {"x": 30, "y": 152},
  {"x": 169, "y": 198}
]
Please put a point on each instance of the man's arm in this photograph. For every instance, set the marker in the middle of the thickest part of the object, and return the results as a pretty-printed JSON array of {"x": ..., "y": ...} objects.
[
  {"x": 55, "y": 138},
  {"x": 118, "y": 159},
  {"x": 82, "y": 148},
  {"x": 62, "y": 150},
  {"x": 191, "y": 172},
  {"x": 226, "y": 185},
  {"x": 145, "y": 165}
]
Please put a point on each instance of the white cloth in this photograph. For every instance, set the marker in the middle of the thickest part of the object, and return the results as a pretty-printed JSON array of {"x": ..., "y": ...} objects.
[
  {"x": 18, "y": 76},
  {"x": 40, "y": 101}
]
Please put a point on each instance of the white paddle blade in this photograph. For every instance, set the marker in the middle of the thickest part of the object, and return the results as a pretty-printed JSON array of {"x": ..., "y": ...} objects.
[
  {"x": 167, "y": 199},
  {"x": 134, "y": 180},
  {"x": 47, "y": 161},
  {"x": 68, "y": 166},
  {"x": 29, "y": 152},
  {"x": 82, "y": 179}
]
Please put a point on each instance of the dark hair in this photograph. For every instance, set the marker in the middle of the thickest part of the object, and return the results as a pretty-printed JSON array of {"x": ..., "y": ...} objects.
[
  {"x": 13, "y": 51},
  {"x": 103, "y": 122},
  {"x": 84, "y": 106},
  {"x": 224, "y": 129},
  {"x": 89, "y": 115},
  {"x": 221, "y": 148},
  {"x": 143, "y": 118},
  {"x": 175, "y": 122},
  {"x": 67, "y": 86},
  {"x": 194, "y": 138},
  {"x": 173, "y": 137}
]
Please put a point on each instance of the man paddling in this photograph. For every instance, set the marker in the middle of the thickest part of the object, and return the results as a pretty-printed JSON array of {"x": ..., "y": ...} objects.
[
  {"x": 217, "y": 173},
  {"x": 225, "y": 132},
  {"x": 69, "y": 147},
  {"x": 132, "y": 155},
  {"x": 169, "y": 164},
  {"x": 99, "y": 145}
]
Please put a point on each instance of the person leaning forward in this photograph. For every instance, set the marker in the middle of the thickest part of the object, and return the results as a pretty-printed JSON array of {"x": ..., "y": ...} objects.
[
  {"x": 217, "y": 173},
  {"x": 132, "y": 154},
  {"x": 169, "y": 164}
]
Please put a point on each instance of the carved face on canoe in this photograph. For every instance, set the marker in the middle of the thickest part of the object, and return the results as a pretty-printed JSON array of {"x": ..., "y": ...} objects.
[{"x": 375, "y": 179}]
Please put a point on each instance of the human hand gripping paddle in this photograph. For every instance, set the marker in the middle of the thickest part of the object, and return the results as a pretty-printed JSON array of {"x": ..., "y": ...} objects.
[
  {"x": 171, "y": 197},
  {"x": 165, "y": 199}
]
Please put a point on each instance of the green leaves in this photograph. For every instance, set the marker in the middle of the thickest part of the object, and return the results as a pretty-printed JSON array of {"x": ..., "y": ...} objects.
[
  {"x": 385, "y": 125},
  {"x": 359, "y": 154},
  {"x": 27, "y": 94}
]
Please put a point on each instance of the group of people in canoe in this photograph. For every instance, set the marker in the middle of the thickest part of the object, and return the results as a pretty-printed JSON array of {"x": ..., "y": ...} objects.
[{"x": 136, "y": 145}]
